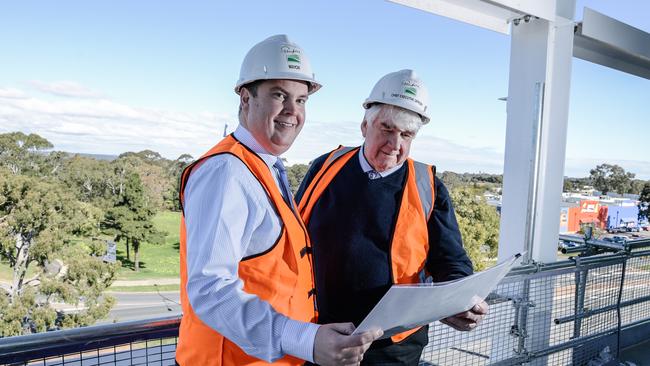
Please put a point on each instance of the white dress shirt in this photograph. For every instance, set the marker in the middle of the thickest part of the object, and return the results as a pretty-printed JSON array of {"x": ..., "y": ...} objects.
[
  {"x": 367, "y": 167},
  {"x": 229, "y": 216}
]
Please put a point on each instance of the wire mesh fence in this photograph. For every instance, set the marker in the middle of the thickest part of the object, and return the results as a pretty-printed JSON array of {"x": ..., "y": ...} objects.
[
  {"x": 144, "y": 342},
  {"x": 563, "y": 313},
  {"x": 158, "y": 352},
  {"x": 556, "y": 315}
]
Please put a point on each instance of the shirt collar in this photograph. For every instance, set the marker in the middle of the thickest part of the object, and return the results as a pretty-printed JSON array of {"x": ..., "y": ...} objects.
[
  {"x": 366, "y": 167},
  {"x": 246, "y": 138}
]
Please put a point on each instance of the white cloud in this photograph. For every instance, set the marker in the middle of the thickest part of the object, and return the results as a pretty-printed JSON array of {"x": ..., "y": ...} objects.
[
  {"x": 318, "y": 138},
  {"x": 106, "y": 127},
  {"x": 450, "y": 156},
  {"x": 579, "y": 167},
  {"x": 321, "y": 137},
  {"x": 11, "y": 93},
  {"x": 65, "y": 89}
]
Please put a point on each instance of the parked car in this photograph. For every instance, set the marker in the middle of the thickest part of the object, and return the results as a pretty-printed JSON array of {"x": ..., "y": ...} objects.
[
  {"x": 615, "y": 230},
  {"x": 566, "y": 245}
]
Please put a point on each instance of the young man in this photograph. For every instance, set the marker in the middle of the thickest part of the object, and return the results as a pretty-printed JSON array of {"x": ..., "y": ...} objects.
[{"x": 246, "y": 284}]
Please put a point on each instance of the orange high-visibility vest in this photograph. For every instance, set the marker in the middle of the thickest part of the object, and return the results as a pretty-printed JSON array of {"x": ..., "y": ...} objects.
[
  {"x": 410, "y": 245},
  {"x": 280, "y": 276}
]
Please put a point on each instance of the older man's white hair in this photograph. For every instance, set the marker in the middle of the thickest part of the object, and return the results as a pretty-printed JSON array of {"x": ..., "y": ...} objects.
[{"x": 403, "y": 119}]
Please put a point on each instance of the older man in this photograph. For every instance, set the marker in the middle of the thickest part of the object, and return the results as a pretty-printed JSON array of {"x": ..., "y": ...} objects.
[
  {"x": 378, "y": 218},
  {"x": 246, "y": 284}
]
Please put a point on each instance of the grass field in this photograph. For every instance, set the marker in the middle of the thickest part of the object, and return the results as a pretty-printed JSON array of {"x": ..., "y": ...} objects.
[
  {"x": 156, "y": 261},
  {"x": 7, "y": 273}
]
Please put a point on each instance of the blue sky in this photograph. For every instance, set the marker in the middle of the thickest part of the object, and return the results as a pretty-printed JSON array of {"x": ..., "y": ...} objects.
[{"x": 113, "y": 76}]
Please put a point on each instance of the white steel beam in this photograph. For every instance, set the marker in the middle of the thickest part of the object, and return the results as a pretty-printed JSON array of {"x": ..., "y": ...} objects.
[
  {"x": 545, "y": 9},
  {"x": 495, "y": 15},
  {"x": 541, "y": 55},
  {"x": 536, "y": 128},
  {"x": 608, "y": 42},
  {"x": 473, "y": 12}
]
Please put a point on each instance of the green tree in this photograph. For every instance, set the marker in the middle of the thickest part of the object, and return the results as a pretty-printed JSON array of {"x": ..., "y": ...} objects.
[
  {"x": 37, "y": 221},
  {"x": 568, "y": 186},
  {"x": 149, "y": 156},
  {"x": 54, "y": 163},
  {"x": 90, "y": 179},
  {"x": 607, "y": 178},
  {"x": 636, "y": 186},
  {"x": 575, "y": 184},
  {"x": 154, "y": 171},
  {"x": 21, "y": 153},
  {"x": 131, "y": 218},
  {"x": 160, "y": 176},
  {"x": 451, "y": 179},
  {"x": 644, "y": 202},
  {"x": 121, "y": 168},
  {"x": 175, "y": 169},
  {"x": 156, "y": 182},
  {"x": 479, "y": 226},
  {"x": 295, "y": 174}
]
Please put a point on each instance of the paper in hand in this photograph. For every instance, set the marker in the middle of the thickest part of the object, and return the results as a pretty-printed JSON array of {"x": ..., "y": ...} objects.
[{"x": 405, "y": 307}]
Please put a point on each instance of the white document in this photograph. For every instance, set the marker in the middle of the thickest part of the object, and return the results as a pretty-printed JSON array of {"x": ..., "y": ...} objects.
[{"x": 405, "y": 307}]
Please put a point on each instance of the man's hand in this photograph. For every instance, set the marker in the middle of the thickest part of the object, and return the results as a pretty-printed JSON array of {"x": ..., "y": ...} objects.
[
  {"x": 467, "y": 320},
  {"x": 334, "y": 346}
]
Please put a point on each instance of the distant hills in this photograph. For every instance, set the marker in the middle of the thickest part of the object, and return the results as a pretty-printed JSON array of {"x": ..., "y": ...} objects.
[
  {"x": 95, "y": 156},
  {"x": 85, "y": 155}
]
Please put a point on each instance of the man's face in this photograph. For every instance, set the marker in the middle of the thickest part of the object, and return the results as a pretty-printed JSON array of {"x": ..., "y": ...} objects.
[
  {"x": 275, "y": 116},
  {"x": 386, "y": 145}
]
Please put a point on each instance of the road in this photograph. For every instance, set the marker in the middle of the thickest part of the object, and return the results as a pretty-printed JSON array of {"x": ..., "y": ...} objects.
[{"x": 144, "y": 305}]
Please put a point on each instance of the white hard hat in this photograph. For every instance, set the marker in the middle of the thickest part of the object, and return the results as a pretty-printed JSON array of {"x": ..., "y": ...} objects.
[
  {"x": 403, "y": 89},
  {"x": 276, "y": 58}
]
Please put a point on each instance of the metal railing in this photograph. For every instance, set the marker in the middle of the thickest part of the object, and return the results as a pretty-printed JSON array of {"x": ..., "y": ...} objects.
[
  {"x": 593, "y": 246},
  {"x": 561, "y": 313},
  {"x": 142, "y": 342}
]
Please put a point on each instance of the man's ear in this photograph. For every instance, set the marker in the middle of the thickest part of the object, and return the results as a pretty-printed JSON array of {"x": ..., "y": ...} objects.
[
  {"x": 364, "y": 128},
  {"x": 244, "y": 97}
]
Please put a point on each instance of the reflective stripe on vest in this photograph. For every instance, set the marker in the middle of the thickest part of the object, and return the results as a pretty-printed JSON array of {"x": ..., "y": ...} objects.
[
  {"x": 410, "y": 243},
  {"x": 425, "y": 186},
  {"x": 280, "y": 275}
]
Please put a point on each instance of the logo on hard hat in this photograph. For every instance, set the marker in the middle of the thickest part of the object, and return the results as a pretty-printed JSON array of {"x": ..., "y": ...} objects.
[
  {"x": 411, "y": 90},
  {"x": 411, "y": 82},
  {"x": 289, "y": 49},
  {"x": 293, "y": 56}
]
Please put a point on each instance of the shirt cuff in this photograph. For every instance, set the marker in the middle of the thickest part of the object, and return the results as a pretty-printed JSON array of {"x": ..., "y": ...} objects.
[{"x": 298, "y": 339}]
